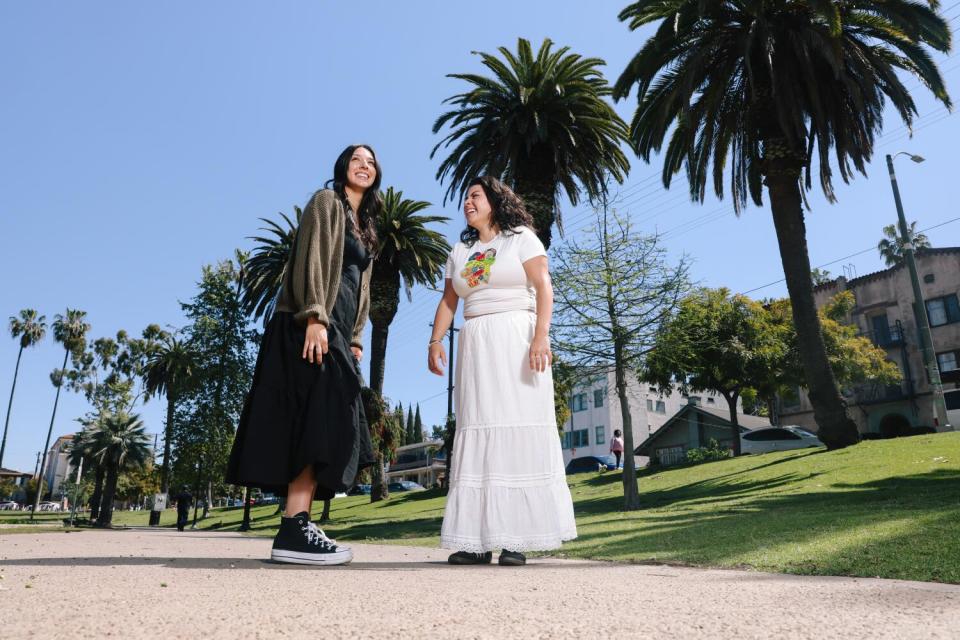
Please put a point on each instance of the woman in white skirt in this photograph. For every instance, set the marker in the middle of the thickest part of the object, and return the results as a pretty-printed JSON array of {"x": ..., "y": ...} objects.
[{"x": 507, "y": 490}]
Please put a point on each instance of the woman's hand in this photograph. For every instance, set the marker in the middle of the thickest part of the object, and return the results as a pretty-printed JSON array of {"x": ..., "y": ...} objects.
[
  {"x": 437, "y": 358},
  {"x": 315, "y": 342},
  {"x": 540, "y": 354},
  {"x": 357, "y": 353}
]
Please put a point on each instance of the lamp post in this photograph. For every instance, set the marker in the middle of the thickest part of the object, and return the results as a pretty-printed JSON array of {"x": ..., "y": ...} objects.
[{"x": 920, "y": 307}]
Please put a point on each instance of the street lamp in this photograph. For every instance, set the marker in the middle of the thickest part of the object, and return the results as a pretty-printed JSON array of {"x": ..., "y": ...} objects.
[{"x": 926, "y": 340}]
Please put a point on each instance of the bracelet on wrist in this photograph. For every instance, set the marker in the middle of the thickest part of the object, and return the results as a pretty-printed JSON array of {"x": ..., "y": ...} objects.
[{"x": 433, "y": 342}]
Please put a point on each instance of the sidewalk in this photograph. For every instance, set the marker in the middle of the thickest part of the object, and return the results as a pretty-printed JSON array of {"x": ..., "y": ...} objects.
[{"x": 158, "y": 583}]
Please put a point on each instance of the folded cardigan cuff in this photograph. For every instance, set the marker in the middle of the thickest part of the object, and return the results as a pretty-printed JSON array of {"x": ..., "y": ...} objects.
[
  {"x": 317, "y": 311},
  {"x": 356, "y": 342}
]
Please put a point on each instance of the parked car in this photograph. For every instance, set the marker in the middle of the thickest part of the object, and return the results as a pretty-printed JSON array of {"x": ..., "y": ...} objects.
[
  {"x": 49, "y": 506},
  {"x": 359, "y": 490},
  {"x": 405, "y": 485},
  {"x": 952, "y": 399},
  {"x": 777, "y": 439},
  {"x": 267, "y": 498},
  {"x": 586, "y": 464},
  {"x": 9, "y": 505}
]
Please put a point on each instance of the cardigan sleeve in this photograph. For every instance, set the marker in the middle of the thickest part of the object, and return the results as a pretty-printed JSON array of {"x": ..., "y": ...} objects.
[
  {"x": 364, "y": 309},
  {"x": 318, "y": 258}
]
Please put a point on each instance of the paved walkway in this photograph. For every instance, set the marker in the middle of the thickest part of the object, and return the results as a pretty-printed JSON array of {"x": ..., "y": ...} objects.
[{"x": 158, "y": 583}]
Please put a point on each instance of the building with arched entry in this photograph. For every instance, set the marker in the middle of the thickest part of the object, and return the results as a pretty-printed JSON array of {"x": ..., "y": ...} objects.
[{"x": 884, "y": 313}]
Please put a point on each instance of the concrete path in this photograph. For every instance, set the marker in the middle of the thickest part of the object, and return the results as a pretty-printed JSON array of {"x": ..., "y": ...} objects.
[{"x": 158, "y": 583}]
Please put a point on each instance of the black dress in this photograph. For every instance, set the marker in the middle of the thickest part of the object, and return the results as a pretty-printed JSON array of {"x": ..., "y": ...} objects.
[{"x": 298, "y": 413}]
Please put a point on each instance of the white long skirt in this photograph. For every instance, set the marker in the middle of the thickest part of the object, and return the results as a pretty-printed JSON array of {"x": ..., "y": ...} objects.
[{"x": 508, "y": 489}]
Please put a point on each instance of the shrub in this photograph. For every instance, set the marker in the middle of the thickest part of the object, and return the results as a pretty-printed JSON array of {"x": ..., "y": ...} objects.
[{"x": 713, "y": 451}]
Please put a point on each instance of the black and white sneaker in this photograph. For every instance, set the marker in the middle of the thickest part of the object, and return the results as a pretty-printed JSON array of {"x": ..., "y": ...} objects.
[{"x": 299, "y": 541}]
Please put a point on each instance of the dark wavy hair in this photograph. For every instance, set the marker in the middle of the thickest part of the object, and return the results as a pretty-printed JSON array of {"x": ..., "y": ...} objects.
[
  {"x": 372, "y": 202},
  {"x": 507, "y": 209}
]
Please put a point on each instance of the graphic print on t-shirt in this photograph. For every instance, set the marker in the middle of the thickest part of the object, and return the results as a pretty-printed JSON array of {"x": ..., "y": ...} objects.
[{"x": 477, "y": 269}]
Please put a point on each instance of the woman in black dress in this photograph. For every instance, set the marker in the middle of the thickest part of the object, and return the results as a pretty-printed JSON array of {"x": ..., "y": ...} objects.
[{"x": 302, "y": 432}]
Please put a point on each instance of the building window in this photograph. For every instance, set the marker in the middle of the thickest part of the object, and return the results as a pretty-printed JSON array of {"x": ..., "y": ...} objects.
[
  {"x": 945, "y": 310},
  {"x": 581, "y": 438},
  {"x": 948, "y": 361},
  {"x": 598, "y": 397},
  {"x": 601, "y": 434},
  {"x": 565, "y": 441},
  {"x": 578, "y": 402},
  {"x": 661, "y": 406},
  {"x": 711, "y": 401},
  {"x": 649, "y": 404},
  {"x": 790, "y": 399}
]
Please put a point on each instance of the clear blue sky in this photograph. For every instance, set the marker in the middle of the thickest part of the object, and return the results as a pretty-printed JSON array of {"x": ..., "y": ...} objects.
[{"x": 139, "y": 141}]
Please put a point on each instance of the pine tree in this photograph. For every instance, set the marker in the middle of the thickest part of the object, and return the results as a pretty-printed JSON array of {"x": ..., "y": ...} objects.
[
  {"x": 417, "y": 426},
  {"x": 410, "y": 437}
]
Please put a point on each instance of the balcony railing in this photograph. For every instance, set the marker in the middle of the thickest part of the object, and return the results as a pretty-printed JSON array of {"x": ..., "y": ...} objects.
[
  {"x": 892, "y": 336},
  {"x": 877, "y": 393}
]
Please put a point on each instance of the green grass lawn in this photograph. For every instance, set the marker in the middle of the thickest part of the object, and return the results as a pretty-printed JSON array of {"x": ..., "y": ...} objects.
[{"x": 887, "y": 508}]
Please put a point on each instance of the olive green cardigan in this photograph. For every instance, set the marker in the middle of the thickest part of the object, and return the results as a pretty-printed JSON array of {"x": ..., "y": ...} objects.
[{"x": 312, "y": 276}]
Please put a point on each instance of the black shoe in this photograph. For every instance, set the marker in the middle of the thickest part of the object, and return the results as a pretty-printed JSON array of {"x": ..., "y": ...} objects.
[
  {"x": 465, "y": 557},
  {"x": 512, "y": 559},
  {"x": 299, "y": 541}
]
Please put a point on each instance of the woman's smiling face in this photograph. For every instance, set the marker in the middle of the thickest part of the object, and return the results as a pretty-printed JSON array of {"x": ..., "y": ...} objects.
[
  {"x": 477, "y": 209},
  {"x": 362, "y": 170}
]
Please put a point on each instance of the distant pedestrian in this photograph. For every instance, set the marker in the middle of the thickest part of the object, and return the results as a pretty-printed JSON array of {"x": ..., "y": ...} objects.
[
  {"x": 616, "y": 445},
  {"x": 184, "y": 500}
]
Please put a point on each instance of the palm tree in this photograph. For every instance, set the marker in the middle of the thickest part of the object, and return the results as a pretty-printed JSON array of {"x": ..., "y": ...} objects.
[
  {"x": 541, "y": 123},
  {"x": 30, "y": 328},
  {"x": 770, "y": 83},
  {"x": 264, "y": 269},
  {"x": 119, "y": 442},
  {"x": 406, "y": 251},
  {"x": 891, "y": 247},
  {"x": 70, "y": 331},
  {"x": 81, "y": 451},
  {"x": 168, "y": 371}
]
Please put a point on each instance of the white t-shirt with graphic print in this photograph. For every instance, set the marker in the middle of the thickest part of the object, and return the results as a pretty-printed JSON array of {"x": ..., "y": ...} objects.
[{"x": 489, "y": 276}]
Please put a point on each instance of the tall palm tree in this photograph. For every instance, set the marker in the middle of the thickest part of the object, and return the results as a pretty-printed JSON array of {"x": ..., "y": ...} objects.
[
  {"x": 70, "y": 330},
  {"x": 168, "y": 371},
  {"x": 891, "y": 247},
  {"x": 264, "y": 268},
  {"x": 81, "y": 452},
  {"x": 409, "y": 252},
  {"x": 30, "y": 328},
  {"x": 770, "y": 84},
  {"x": 541, "y": 123},
  {"x": 119, "y": 442}
]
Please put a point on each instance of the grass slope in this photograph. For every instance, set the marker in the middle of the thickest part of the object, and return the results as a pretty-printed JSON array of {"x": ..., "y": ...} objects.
[{"x": 886, "y": 508}]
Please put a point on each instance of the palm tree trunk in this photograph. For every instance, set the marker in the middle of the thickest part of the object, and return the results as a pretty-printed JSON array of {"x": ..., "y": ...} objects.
[
  {"x": 109, "y": 491},
  {"x": 384, "y": 302},
  {"x": 6, "y": 423},
  {"x": 43, "y": 454},
  {"x": 97, "y": 493},
  {"x": 378, "y": 485},
  {"x": 165, "y": 469},
  {"x": 631, "y": 492},
  {"x": 537, "y": 186},
  {"x": 836, "y": 429}
]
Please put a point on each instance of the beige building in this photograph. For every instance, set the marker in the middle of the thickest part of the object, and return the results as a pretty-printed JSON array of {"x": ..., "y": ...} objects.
[
  {"x": 884, "y": 313},
  {"x": 57, "y": 468}
]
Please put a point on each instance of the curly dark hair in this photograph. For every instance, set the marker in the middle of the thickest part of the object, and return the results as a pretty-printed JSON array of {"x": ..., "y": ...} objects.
[
  {"x": 508, "y": 211},
  {"x": 372, "y": 203}
]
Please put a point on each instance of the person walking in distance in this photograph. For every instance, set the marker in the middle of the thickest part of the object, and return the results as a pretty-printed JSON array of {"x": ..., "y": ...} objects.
[
  {"x": 302, "y": 432},
  {"x": 616, "y": 445},
  {"x": 184, "y": 500},
  {"x": 507, "y": 488}
]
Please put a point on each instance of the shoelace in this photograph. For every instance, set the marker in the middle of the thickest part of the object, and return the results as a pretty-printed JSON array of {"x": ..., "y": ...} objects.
[{"x": 315, "y": 535}]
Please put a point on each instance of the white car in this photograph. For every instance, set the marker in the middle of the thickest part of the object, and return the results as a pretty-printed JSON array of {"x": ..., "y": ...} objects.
[
  {"x": 777, "y": 439},
  {"x": 49, "y": 506},
  {"x": 952, "y": 399},
  {"x": 9, "y": 505}
]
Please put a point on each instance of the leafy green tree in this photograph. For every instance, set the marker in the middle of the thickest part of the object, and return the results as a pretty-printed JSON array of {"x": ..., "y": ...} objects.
[
  {"x": 70, "y": 330},
  {"x": 29, "y": 328},
  {"x": 541, "y": 123},
  {"x": 7, "y": 489},
  {"x": 614, "y": 289},
  {"x": 820, "y": 276},
  {"x": 409, "y": 252},
  {"x": 207, "y": 412},
  {"x": 718, "y": 342},
  {"x": 169, "y": 371},
  {"x": 764, "y": 87},
  {"x": 386, "y": 434},
  {"x": 891, "y": 247},
  {"x": 265, "y": 268},
  {"x": 119, "y": 443}
]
